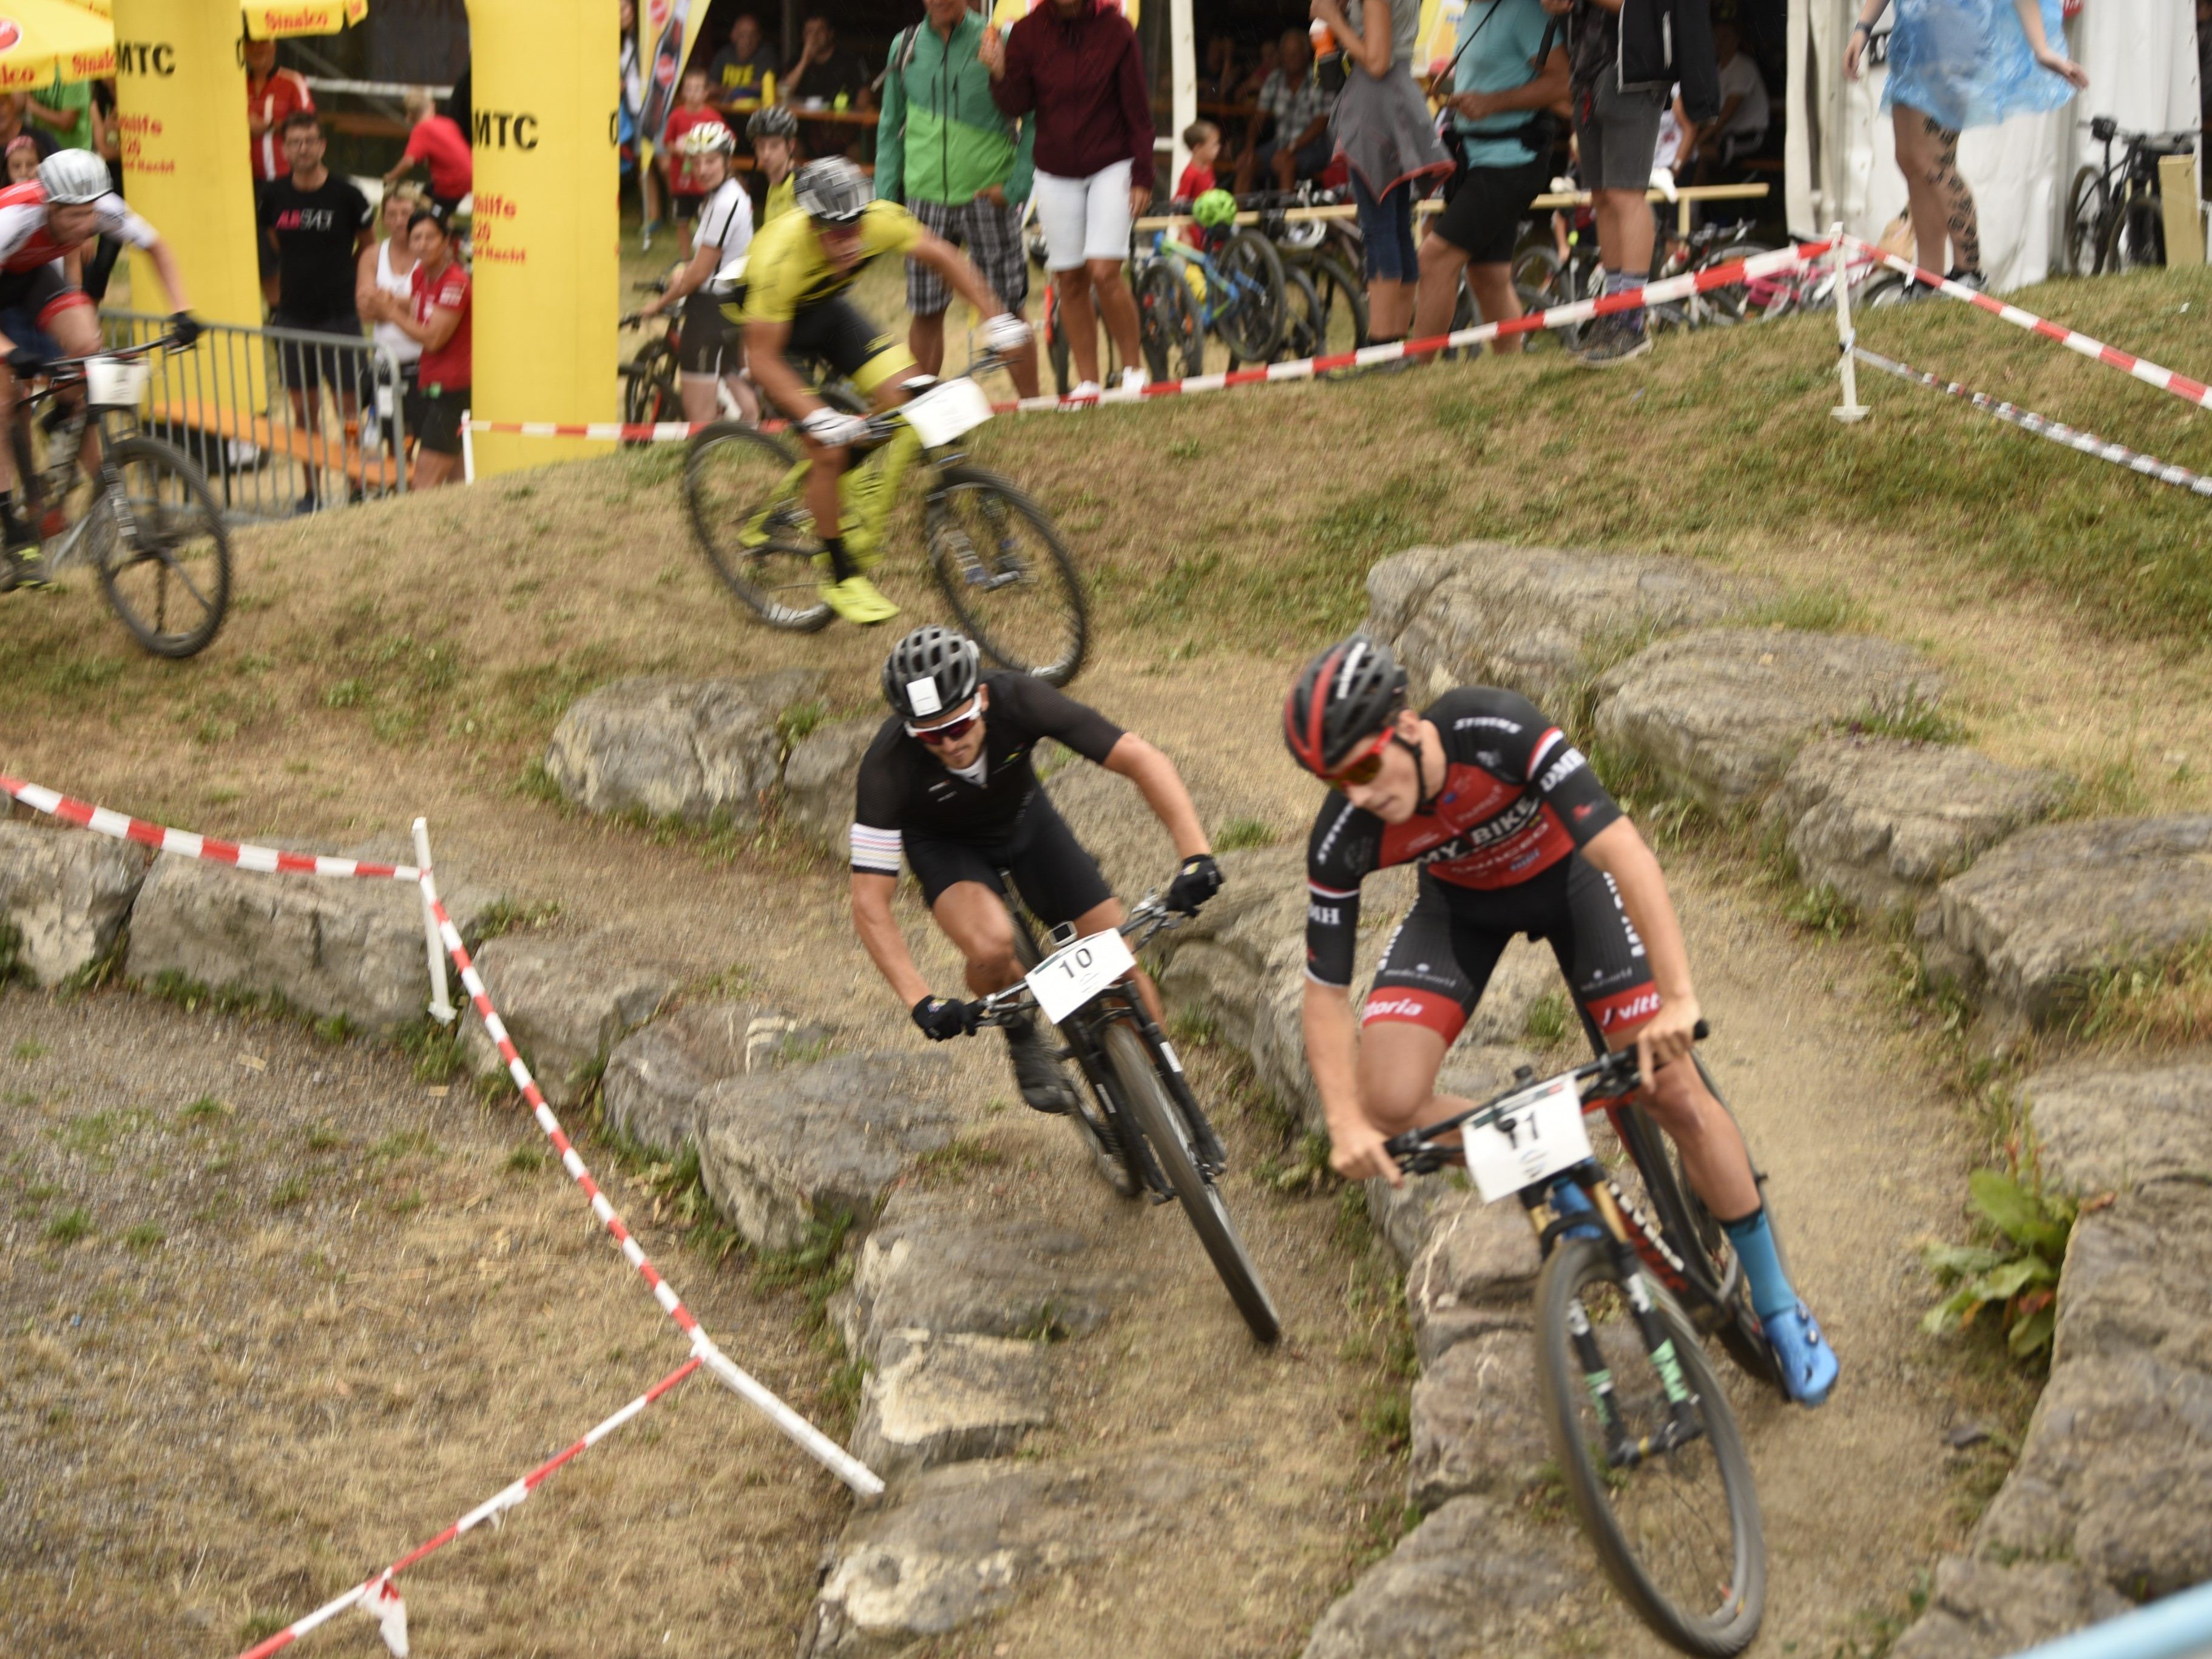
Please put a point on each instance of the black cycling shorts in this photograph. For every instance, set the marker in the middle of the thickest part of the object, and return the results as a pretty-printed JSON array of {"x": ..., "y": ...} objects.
[
  {"x": 1058, "y": 879},
  {"x": 709, "y": 344},
  {"x": 837, "y": 331},
  {"x": 1435, "y": 966}
]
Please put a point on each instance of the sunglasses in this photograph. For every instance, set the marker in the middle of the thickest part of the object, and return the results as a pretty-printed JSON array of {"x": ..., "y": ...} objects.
[
  {"x": 1363, "y": 770},
  {"x": 950, "y": 731}
]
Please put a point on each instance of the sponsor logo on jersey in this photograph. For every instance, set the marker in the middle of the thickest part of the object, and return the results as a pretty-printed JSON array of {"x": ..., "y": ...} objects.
[
  {"x": 1493, "y": 721},
  {"x": 1567, "y": 764},
  {"x": 1629, "y": 1009},
  {"x": 1324, "y": 916},
  {"x": 1392, "y": 1008},
  {"x": 1584, "y": 811}
]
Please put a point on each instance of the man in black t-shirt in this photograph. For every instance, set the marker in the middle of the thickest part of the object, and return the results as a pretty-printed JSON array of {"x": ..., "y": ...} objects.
[
  {"x": 948, "y": 783},
  {"x": 318, "y": 223}
]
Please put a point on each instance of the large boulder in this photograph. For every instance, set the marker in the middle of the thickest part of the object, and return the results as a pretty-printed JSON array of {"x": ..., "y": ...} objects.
[
  {"x": 820, "y": 778},
  {"x": 1474, "y": 1274},
  {"x": 332, "y": 948},
  {"x": 950, "y": 1400},
  {"x": 654, "y": 1078},
  {"x": 694, "y": 750},
  {"x": 1540, "y": 620},
  {"x": 2106, "y": 1127},
  {"x": 1981, "y": 1610},
  {"x": 1882, "y": 820},
  {"x": 566, "y": 1000},
  {"x": 784, "y": 1151},
  {"x": 64, "y": 895},
  {"x": 1476, "y": 1427},
  {"x": 1719, "y": 714},
  {"x": 2055, "y": 904}
]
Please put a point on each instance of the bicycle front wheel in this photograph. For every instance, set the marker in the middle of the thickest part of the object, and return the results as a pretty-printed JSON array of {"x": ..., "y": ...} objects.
[
  {"x": 2087, "y": 205},
  {"x": 1001, "y": 563},
  {"x": 1675, "y": 1521},
  {"x": 746, "y": 494},
  {"x": 163, "y": 553},
  {"x": 1251, "y": 318},
  {"x": 1343, "y": 303},
  {"x": 1147, "y": 1100}
]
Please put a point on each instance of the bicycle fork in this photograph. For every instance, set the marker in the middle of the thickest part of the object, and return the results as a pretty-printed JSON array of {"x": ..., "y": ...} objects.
[{"x": 1682, "y": 1425}]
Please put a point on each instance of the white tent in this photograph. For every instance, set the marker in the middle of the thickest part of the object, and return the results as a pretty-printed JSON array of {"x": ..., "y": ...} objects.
[{"x": 1839, "y": 163}]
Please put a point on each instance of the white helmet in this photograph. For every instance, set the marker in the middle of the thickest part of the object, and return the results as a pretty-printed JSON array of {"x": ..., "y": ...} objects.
[
  {"x": 74, "y": 176},
  {"x": 710, "y": 138}
]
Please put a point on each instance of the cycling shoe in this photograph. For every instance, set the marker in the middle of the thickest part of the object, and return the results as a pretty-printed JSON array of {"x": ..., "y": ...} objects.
[
  {"x": 857, "y": 600},
  {"x": 1569, "y": 1203},
  {"x": 1037, "y": 1074},
  {"x": 1808, "y": 1364}
]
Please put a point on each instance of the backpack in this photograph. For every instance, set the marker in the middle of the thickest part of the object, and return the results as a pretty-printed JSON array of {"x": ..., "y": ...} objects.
[{"x": 1664, "y": 41}]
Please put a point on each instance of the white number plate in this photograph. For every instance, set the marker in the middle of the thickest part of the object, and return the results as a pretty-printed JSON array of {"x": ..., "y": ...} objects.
[
  {"x": 114, "y": 383},
  {"x": 1534, "y": 1136},
  {"x": 1070, "y": 977},
  {"x": 947, "y": 409}
]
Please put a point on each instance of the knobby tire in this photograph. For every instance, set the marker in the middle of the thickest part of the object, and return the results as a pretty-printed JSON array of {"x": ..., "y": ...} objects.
[
  {"x": 1050, "y": 575},
  {"x": 179, "y": 490},
  {"x": 771, "y": 580}
]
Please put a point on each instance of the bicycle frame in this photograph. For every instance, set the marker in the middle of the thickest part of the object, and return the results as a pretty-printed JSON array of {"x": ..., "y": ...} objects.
[{"x": 50, "y": 485}]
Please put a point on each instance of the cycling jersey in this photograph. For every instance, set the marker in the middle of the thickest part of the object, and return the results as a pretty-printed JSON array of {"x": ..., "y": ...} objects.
[
  {"x": 787, "y": 273},
  {"x": 26, "y": 243},
  {"x": 726, "y": 223}
]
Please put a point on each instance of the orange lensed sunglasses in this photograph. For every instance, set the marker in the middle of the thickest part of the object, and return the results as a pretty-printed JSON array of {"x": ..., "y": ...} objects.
[{"x": 1363, "y": 770}]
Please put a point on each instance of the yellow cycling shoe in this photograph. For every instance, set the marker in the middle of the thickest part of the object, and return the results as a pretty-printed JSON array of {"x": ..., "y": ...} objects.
[{"x": 857, "y": 600}]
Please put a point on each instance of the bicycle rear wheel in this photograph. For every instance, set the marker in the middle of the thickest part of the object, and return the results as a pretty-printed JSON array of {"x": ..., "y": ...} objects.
[
  {"x": 1305, "y": 325},
  {"x": 1676, "y": 1527},
  {"x": 649, "y": 390},
  {"x": 1009, "y": 577},
  {"x": 1735, "y": 303},
  {"x": 2087, "y": 205},
  {"x": 1163, "y": 1125},
  {"x": 1250, "y": 317},
  {"x": 163, "y": 553},
  {"x": 1344, "y": 301},
  {"x": 745, "y": 493},
  {"x": 1174, "y": 341}
]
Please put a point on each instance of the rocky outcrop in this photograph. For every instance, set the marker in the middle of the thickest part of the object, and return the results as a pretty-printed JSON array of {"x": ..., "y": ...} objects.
[
  {"x": 654, "y": 1078},
  {"x": 566, "y": 1000},
  {"x": 1476, "y": 1425},
  {"x": 1718, "y": 714},
  {"x": 950, "y": 1400},
  {"x": 694, "y": 750},
  {"x": 1882, "y": 820},
  {"x": 1473, "y": 1273},
  {"x": 819, "y": 780},
  {"x": 65, "y": 896}
]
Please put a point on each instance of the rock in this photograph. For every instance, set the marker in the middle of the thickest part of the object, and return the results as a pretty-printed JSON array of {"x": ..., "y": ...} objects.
[
  {"x": 2059, "y": 902},
  {"x": 950, "y": 1400},
  {"x": 654, "y": 1078},
  {"x": 565, "y": 1001},
  {"x": 64, "y": 895},
  {"x": 1983, "y": 1611},
  {"x": 1882, "y": 820},
  {"x": 1539, "y": 620},
  {"x": 1473, "y": 1578},
  {"x": 1475, "y": 1274},
  {"x": 936, "y": 1262},
  {"x": 820, "y": 778},
  {"x": 694, "y": 750},
  {"x": 785, "y": 1151},
  {"x": 1719, "y": 714},
  {"x": 2101, "y": 1127},
  {"x": 1476, "y": 1426},
  {"x": 329, "y": 948},
  {"x": 2134, "y": 1277}
]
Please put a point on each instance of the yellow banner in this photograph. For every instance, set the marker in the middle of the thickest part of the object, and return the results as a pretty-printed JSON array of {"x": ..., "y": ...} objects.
[
  {"x": 267, "y": 21},
  {"x": 37, "y": 37}
]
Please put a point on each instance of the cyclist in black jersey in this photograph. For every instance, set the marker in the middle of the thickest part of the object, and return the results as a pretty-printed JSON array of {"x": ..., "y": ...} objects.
[
  {"x": 1513, "y": 833},
  {"x": 949, "y": 783}
]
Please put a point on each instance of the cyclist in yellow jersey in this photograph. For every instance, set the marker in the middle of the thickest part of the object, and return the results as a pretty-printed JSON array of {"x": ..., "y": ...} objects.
[
  {"x": 775, "y": 135},
  {"x": 800, "y": 266}
]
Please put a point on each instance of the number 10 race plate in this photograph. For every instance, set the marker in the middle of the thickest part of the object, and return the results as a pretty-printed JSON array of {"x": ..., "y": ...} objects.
[
  {"x": 1070, "y": 977},
  {"x": 1534, "y": 1136}
]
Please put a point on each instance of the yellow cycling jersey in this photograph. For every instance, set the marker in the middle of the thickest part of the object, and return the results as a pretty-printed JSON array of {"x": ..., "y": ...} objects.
[
  {"x": 781, "y": 198},
  {"x": 787, "y": 272}
]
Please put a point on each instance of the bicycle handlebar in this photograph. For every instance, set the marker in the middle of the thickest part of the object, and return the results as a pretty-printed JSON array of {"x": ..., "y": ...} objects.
[
  {"x": 1150, "y": 917},
  {"x": 144, "y": 347},
  {"x": 879, "y": 427}
]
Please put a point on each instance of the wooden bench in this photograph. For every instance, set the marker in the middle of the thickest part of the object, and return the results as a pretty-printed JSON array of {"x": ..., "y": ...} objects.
[{"x": 314, "y": 449}]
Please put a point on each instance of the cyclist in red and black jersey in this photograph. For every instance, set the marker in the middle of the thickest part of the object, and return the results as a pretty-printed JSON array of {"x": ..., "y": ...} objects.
[{"x": 1512, "y": 833}]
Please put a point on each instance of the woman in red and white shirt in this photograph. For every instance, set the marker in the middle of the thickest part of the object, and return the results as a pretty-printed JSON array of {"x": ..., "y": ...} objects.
[{"x": 437, "y": 318}]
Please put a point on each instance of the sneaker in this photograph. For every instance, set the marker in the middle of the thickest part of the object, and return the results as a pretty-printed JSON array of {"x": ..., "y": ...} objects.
[
  {"x": 1084, "y": 389},
  {"x": 1037, "y": 1074},
  {"x": 1613, "y": 342},
  {"x": 857, "y": 601},
  {"x": 645, "y": 235},
  {"x": 20, "y": 569},
  {"x": 1133, "y": 379},
  {"x": 1808, "y": 1364},
  {"x": 1972, "y": 279},
  {"x": 15, "y": 531},
  {"x": 307, "y": 504}
]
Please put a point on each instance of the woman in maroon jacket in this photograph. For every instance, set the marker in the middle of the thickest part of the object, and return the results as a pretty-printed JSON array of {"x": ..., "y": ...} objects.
[{"x": 1072, "y": 66}]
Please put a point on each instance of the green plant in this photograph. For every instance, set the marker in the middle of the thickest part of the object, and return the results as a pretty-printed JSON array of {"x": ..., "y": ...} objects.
[
  {"x": 1822, "y": 909},
  {"x": 291, "y": 1191},
  {"x": 144, "y": 1236},
  {"x": 1827, "y": 609},
  {"x": 2165, "y": 999},
  {"x": 69, "y": 1227},
  {"x": 957, "y": 1160},
  {"x": 1917, "y": 718},
  {"x": 1240, "y": 832},
  {"x": 800, "y": 721},
  {"x": 527, "y": 1159},
  {"x": 206, "y": 1109},
  {"x": 540, "y": 784},
  {"x": 503, "y": 916},
  {"x": 28, "y": 1049},
  {"x": 1549, "y": 1019},
  {"x": 406, "y": 1143},
  {"x": 2017, "y": 1273}
]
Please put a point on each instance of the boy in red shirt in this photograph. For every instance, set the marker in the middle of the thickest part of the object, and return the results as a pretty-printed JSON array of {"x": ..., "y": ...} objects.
[
  {"x": 1203, "y": 140},
  {"x": 438, "y": 140},
  {"x": 436, "y": 318},
  {"x": 692, "y": 110}
]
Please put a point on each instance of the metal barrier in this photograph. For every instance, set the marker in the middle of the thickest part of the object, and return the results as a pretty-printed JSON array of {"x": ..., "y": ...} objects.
[
  {"x": 2178, "y": 1627},
  {"x": 282, "y": 422}
]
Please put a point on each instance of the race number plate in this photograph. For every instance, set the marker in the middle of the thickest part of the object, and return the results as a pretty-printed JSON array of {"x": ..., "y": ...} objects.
[
  {"x": 947, "y": 409},
  {"x": 115, "y": 383},
  {"x": 1534, "y": 1136},
  {"x": 1070, "y": 977}
]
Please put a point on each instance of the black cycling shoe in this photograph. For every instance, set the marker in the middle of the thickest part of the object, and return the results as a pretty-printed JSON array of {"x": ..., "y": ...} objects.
[{"x": 1037, "y": 1074}]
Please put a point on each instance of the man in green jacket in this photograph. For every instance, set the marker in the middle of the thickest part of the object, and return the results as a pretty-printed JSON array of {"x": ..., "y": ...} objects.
[{"x": 943, "y": 148}]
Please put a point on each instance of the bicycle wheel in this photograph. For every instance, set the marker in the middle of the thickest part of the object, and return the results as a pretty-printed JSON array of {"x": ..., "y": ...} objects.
[
  {"x": 649, "y": 391},
  {"x": 1010, "y": 579},
  {"x": 163, "y": 553},
  {"x": 2135, "y": 237},
  {"x": 1174, "y": 341},
  {"x": 1675, "y": 1526},
  {"x": 1251, "y": 318},
  {"x": 1344, "y": 301},
  {"x": 1735, "y": 303},
  {"x": 1535, "y": 283},
  {"x": 1163, "y": 1125},
  {"x": 748, "y": 509},
  {"x": 2087, "y": 205},
  {"x": 1305, "y": 321}
]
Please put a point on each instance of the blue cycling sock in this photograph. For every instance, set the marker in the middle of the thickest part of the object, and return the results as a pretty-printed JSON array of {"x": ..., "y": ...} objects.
[{"x": 1770, "y": 1292}]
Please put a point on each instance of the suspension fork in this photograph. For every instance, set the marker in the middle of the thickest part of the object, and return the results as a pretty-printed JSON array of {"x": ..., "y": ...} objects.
[
  {"x": 1682, "y": 1423},
  {"x": 1211, "y": 1157}
]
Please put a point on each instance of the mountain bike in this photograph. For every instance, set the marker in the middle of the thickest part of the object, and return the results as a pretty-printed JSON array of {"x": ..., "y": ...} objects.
[
  {"x": 1639, "y": 1424},
  {"x": 1321, "y": 258},
  {"x": 996, "y": 553},
  {"x": 650, "y": 391},
  {"x": 2115, "y": 215},
  {"x": 150, "y": 525},
  {"x": 1231, "y": 287},
  {"x": 1144, "y": 1125}
]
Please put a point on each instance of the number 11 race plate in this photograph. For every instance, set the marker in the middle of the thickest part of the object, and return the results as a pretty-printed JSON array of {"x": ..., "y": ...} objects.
[
  {"x": 1070, "y": 977},
  {"x": 1534, "y": 1136}
]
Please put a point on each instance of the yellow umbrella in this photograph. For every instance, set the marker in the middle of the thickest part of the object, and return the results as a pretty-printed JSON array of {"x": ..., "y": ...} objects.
[
  {"x": 274, "y": 20},
  {"x": 37, "y": 37}
]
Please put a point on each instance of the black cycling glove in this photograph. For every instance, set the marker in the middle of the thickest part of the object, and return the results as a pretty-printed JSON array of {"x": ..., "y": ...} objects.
[
  {"x": 1199, "y": 880},
  {"x": 943, "y": 1018},
  {"x": 185, "y": 327}
]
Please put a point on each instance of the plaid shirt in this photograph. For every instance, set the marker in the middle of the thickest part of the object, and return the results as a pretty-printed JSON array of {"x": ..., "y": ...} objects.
[{"x": 1294, "y": 107}]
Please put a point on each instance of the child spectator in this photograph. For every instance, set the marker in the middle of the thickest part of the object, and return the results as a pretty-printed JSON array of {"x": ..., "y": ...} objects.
[
  {"x": 435, "y": 138},
  {"x": 684, "y": 191},
  {"x": 23, "y": 159},
  {"x": 1203, "y": 140}
]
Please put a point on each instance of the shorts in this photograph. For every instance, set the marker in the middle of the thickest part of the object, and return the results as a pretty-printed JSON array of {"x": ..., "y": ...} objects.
[
  {"x": 1305, "y": 163},
  {"x": 992, "y": 237},
  {"x": 1084, "y": 219},
  {"x": 1435, "y": 966},
  {"x": 1616, "y": 133},
  {"x": 709, "y": 346},
  {"x": 303, "y": 366},
  {"x": 685, "y": 206},
  {"x": 1386, "y": 232},
  {"x": 1483, "y": 217},
  {"x": 433, "y": 416},
  {"x": 836, "y": 331},
  {"x": 1057, "y": 879},
  {"x": 29, "y": 303}
]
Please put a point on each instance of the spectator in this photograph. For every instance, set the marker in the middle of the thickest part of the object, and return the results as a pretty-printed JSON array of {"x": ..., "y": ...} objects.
[
  {"x": 317, "y": 223},
  {"x": 108, "y": 144},
  {"x": 1072, "y": 66},
  {"x": 710, "y": 350},
  {"x": 273, "y": 95},
  {"x": 1299, "y": 146},
  {"x": 389, "y": 269},
  {"x": 1616, "y": 137},
  {"x": 63, "y": 112},
  {"x": 1382, "y": 124},
  {"x": 826, "y": 78},
  {"x": 773, "y": 134},
  {"x": 436, "y": 318},
  {"x": 1265, "y": 65},
  {"x": 945, "y": 150},
  {"x": 1955, "y": 64},
  {"x": 1203, "y": 140},
  {"x": 1217, "y": 82},
  {"x": 744, "y": 72},
  {"x": 692, "y": 110},
  {"x": 435, "y": 138},
  {"x": 15, "y": 107},
  {"x": 1740, "y": 128},
  {"x": 636, "y": 148},
  {"x": 1508, "y": 72},
  {"x": 23, "y": 159}
]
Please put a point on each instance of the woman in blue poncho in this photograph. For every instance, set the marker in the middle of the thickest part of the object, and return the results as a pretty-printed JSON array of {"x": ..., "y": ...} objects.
[{"x": 1954, "y": 64}]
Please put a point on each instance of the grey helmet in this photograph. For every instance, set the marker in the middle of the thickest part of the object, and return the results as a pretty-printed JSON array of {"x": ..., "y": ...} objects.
[
  {"x": 72, "y": 177},
  {"x": 772, "y": 121},
  {"x": 832, "y": 191},
  {"x": 930, "y": 671}
]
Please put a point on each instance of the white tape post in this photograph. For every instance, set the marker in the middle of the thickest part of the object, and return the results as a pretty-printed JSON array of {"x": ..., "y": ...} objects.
[
  {"x": 1850, "y": 411},
  {"x": 441, "y": 1001}
]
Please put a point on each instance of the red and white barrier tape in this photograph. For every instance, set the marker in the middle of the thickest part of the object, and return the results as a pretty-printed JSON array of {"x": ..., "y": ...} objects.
[
  {"x": 490, "y": 1510},
  {"x": 1302, "y": 368},
  {"x": 269, "y": 860}
]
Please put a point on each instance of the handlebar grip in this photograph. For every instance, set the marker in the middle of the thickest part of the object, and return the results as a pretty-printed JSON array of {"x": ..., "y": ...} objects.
[{"x": 1701, "y": 1031}]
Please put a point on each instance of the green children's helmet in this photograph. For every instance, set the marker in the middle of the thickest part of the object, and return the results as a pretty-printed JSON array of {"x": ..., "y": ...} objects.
[{"x": 1214, "y": 208}]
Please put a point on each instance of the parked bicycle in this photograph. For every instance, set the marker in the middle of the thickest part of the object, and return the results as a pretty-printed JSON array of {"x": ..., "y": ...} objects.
[
  {"x": 1231, "y": 287},
  {"x": 996, "y": 553},
  {"x": 1144, "y": 1125},
  {"x": 149, "y": 525},
  {"x": 651, "y": 394},
  {"x": 1639, "y": 1425},
  {"x": 1326, "y": 301},
  {"x": 2115, "y": 213}
]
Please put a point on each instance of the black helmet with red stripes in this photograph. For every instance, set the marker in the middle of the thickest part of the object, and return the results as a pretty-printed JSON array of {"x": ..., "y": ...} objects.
[{"x": 1343, "y": 701}]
